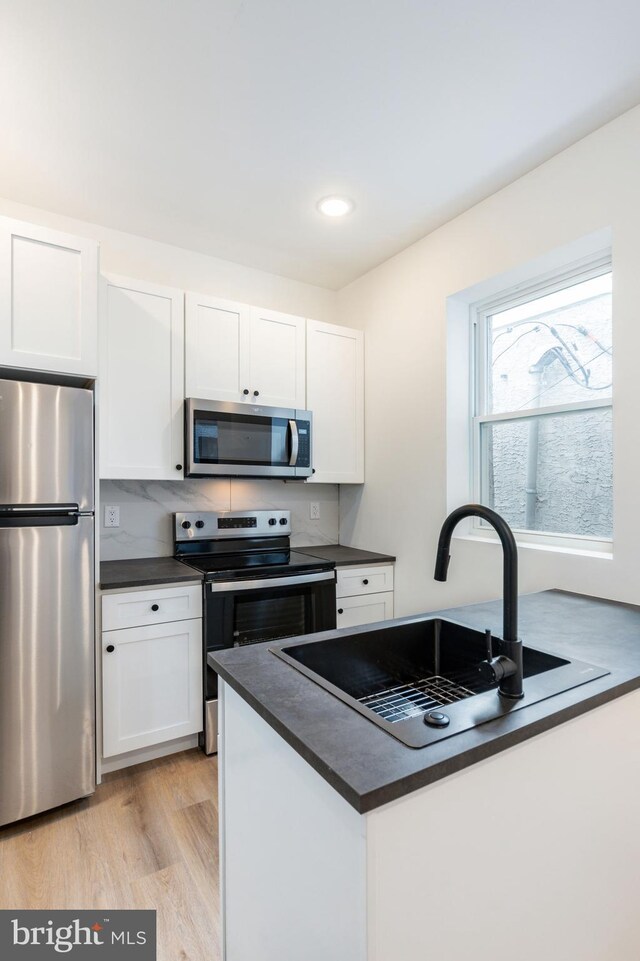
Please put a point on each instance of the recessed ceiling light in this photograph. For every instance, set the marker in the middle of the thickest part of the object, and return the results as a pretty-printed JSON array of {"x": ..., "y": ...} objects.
[{"x": 335, "y": 206}]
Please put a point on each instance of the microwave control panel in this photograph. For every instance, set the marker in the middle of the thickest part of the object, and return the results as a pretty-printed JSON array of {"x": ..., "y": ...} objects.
[{"x": 304, "y": 443}]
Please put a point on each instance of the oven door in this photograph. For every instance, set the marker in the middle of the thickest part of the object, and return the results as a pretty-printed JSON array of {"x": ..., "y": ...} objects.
[
  {"x": 264, "y": 609},
  {"x": 238, "y": 440}
]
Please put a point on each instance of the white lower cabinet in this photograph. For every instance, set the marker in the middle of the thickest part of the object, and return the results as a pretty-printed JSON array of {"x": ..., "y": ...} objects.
[
  {"x": 398, "y": 882},
  {"x": 364, "y": 609},
  {"x": 154, "y": 606},
  {"x": 364, "y": 580},
  {"x": 152, "y": 685},
  {"x": 364, "y": 595},
  {"x": 151, "y": 682}
]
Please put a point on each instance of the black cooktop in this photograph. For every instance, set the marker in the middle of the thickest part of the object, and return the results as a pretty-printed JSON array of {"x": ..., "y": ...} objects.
[{"x": 228, "y": 561}]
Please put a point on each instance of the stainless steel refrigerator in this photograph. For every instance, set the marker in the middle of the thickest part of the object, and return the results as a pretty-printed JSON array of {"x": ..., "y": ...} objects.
[{"x": 47, "y": 687}]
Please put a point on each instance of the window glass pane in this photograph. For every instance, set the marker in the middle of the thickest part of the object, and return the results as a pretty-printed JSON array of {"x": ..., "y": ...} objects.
[
  {"x": 552, "y": 350},
  {"x": 552, "y": 472},
  {"x": 269, "y": 618}
]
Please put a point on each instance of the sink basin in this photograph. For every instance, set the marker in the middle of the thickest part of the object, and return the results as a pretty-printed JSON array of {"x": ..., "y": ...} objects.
[{"x": 400, "y": 675}]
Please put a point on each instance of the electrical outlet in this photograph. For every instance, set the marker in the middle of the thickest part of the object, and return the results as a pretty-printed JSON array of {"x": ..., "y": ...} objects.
[
  {"x": 314, "y": 511},
  {"x": 111, "y": 516}
]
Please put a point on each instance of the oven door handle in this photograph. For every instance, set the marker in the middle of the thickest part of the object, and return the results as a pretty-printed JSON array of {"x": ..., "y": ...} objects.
[
  {"x": 230, "y": 587},
  {"x": 295, "y": 443}
]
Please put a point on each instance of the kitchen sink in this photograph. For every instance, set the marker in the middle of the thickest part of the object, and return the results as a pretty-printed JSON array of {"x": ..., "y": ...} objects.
[{"x": 420, "y": 680}]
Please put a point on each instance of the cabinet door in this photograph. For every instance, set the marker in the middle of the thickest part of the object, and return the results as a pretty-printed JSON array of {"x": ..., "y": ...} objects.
[
  {"x": 335, "y": 395},
  {"x": 151, "y": 685},
  {"x": 141, "y": 380},
  {"x": 216, "y": 349},
  {"x": 277, "y": 359},
  {"x": 48, "y": 299},
  {"x": 364, "y": 609}
]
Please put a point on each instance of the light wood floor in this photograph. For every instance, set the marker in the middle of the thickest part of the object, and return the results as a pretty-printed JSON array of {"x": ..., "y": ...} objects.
[{"x": 146, "y": 839}]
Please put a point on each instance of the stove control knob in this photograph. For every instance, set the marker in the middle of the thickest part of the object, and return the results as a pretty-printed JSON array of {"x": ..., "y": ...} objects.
[
  {"x": 283, "y": 520},
  {"x": 272, "y": 521},
  {"x": 186, "y": 525},
  {"x": 199, "y": 524}
]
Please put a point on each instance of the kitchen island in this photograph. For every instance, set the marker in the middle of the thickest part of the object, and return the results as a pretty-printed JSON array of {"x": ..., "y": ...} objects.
[{"x": 517, "y": 837}]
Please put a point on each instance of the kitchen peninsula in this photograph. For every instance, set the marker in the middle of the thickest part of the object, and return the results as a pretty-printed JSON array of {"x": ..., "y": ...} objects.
[{"x": 340, "y": 842}]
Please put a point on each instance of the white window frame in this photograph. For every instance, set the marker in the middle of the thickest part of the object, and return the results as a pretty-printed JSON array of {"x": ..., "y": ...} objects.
[{"x": 585, "y": 269}]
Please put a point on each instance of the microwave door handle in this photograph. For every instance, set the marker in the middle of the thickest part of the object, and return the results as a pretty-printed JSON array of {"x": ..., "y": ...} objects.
[{"x": 295, "y": 443}]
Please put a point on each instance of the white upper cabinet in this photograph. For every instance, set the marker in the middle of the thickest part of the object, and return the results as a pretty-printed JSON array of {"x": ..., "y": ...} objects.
[
  {"x": 276, "y": 371},
  {"x": 243, "y": 354},
  {"x": 48, "y": 299},
  {"x": 141, "y": 380},
  {"x": 216, "y": 348},
  {"x": 335, "y": 395}
]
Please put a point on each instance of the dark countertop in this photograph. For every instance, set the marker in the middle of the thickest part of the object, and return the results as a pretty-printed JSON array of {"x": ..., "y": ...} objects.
[
  {"x": 346, "y": 556},
  {"x": 369, "y": 767},
  {"x": 145, "y": 572}
]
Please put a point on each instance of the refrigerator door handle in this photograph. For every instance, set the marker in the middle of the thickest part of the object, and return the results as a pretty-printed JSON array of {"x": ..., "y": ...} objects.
[
  {"x": 38, "y": 508},
  {"x": 61, "y": 516}
]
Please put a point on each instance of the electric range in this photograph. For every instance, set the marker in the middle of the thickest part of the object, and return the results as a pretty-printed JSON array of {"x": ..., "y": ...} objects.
[{"x": 255, "y": 588}]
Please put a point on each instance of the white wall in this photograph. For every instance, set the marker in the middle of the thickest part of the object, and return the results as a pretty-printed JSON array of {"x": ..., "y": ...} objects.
[
  {"x": 145, "y": 259},
  {"x": 402, "y": 306}
]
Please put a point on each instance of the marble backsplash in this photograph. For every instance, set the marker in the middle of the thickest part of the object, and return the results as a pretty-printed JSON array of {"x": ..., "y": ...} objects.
[{"x": 146, "y": 507}]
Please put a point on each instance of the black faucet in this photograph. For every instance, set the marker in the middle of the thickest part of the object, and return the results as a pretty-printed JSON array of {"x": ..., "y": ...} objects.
[{"x": 506, "y": 668}]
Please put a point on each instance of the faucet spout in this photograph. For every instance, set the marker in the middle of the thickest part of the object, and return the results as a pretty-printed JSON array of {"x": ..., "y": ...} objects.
[{"x": 509, "y": 646}]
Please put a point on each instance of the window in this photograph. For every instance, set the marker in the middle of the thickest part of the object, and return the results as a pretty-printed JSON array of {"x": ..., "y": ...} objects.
[{"x": 542, "y": 422}]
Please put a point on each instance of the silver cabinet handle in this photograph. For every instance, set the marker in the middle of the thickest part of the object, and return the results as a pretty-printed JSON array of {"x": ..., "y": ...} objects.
[{"x": 295, "y": 443}]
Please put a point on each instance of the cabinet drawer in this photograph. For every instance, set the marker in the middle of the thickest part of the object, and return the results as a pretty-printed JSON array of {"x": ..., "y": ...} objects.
[
  {"x": 138, "y": 608},
  {"x": 364, "y": 580},
  {"x": 364, "y": 609}
]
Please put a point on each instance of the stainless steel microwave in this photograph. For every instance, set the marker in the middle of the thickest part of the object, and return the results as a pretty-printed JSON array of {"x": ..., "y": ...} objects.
[{"x": 242, "y": 440}]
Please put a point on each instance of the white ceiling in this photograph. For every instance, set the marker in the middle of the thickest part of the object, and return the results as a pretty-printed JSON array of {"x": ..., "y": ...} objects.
[{"x": 217, "y": 125}]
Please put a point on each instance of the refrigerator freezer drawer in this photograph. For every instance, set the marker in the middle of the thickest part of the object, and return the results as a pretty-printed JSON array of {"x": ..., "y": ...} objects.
[{"x": 46, "y": 454}]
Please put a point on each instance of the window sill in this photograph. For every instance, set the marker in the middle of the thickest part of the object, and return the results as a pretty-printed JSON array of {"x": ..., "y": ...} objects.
[{"x": 601, "y": 555}]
